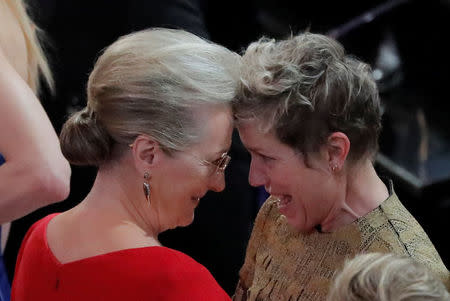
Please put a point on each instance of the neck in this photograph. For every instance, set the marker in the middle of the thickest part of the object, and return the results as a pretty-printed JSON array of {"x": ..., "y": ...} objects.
[
  {"x": 114, "y": 200},
  {"x": 364, "y": 192}
]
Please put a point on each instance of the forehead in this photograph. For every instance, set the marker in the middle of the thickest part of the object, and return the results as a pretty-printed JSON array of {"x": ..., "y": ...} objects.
[
  {"x": 254, "y": 136},
  {"x": 215, "y": 125}
]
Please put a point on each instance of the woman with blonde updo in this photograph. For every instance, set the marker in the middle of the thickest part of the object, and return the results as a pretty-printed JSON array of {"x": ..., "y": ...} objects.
[{"x": 158, "y": 126}]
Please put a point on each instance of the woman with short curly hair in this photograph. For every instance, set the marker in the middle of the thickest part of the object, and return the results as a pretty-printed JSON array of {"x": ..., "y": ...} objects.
[{"x": 310, "y": 116}]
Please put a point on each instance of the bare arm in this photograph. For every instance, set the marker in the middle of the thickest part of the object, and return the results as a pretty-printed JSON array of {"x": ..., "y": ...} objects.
[{"x": 35, "y": 173}]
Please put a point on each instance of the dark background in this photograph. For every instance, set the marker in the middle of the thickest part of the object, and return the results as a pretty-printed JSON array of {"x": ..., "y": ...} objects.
[{"x": 405, "y": 41}]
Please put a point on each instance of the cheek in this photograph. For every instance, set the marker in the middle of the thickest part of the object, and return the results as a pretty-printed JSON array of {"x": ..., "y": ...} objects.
[
  {"x": 177, "y": 184},
  {"x": 314, "y": 198},
  {"x": 186, "y": 186},
  {"x": 192, "y": 182},
  {"x": 179, "y": 205},
  {"x": 282, "y": 177},
  {"x": 306, "y": 190}
]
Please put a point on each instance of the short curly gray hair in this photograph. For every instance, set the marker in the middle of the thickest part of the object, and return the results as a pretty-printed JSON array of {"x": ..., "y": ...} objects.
[
  {"x": 386, "y": 277},
  {"x": 305, "y": 88}
]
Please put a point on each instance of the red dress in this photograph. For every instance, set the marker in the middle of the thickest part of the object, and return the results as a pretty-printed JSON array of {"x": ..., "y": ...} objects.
[{"x": 150, "y": 273}]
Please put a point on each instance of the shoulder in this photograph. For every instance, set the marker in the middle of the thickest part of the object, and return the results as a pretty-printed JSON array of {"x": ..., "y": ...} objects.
[
  {"x": 266, "y": 220},
  {"x": 393, "y": 216},
  {"x": 150, "y": 273},
  {"x": 390, "y": 214},
  {"x": 34, "y": 243},
  {"x": 175, "y": 263},
  {"x": 171, "y": 272},
  {"x": 269, "y": 205},
  {"x": 392, "y": 228},
  {"x": 38, "y": 228},
  {"x": 268, "y": 212}
]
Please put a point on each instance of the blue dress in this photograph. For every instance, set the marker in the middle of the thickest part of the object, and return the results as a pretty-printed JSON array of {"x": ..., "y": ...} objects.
[{"x": 4, "y": 283}]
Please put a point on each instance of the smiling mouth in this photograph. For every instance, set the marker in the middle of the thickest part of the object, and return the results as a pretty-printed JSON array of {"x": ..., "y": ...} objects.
[{"x": 283, "y": 202}]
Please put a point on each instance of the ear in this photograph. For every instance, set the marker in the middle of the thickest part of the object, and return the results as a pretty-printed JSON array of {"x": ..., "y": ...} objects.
[
  {"x": 337, "y": 148},
  {"x": 146, "y": 153}
]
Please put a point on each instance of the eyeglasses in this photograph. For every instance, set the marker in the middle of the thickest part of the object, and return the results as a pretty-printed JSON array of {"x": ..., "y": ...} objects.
[{"x": 219, "y": 164}]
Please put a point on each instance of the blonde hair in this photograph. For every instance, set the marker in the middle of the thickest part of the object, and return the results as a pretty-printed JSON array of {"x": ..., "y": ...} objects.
[
  {"x": 37, "y": 63},
  {"x": 149, "y": 82},
  {"x": 386, "y": 277}
]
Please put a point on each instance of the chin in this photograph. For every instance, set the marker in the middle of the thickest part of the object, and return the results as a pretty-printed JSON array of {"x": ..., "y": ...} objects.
[{"x": 187, "y": 221}]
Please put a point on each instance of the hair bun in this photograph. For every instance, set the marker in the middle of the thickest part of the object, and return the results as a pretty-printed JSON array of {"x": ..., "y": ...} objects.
[{"x": 84, "y": 141}]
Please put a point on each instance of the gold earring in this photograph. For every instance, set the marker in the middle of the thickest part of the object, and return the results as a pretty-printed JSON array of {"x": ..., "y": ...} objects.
[
  {"x": 146, "y": 187},
  {"x": 334, "y": 167}
]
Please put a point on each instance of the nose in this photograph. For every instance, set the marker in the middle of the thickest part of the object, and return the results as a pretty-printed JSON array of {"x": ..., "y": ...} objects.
[
  {"x": 217, "y": 182},
  {"x": 256, "y": 176}
]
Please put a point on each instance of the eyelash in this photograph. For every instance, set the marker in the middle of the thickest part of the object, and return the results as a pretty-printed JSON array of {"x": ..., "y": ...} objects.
[
  {"x": 264, "y": 158},
  {"x": 216, "y": 161}
]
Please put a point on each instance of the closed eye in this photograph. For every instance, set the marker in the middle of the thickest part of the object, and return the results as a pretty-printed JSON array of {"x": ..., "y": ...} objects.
[
  {"x": 263, "y": 157},
  {"x": 266, "y": 158},
  {"x": 217, "y": 161}
]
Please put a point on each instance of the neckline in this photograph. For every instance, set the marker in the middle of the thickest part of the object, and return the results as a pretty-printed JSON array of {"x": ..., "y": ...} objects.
[
  {"x": 390, "y": 187},
  {"x": 58, "y": 263}
]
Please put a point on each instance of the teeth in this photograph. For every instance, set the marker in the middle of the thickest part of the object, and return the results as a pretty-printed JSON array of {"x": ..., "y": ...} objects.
[{"x": 283, "y": 200}]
